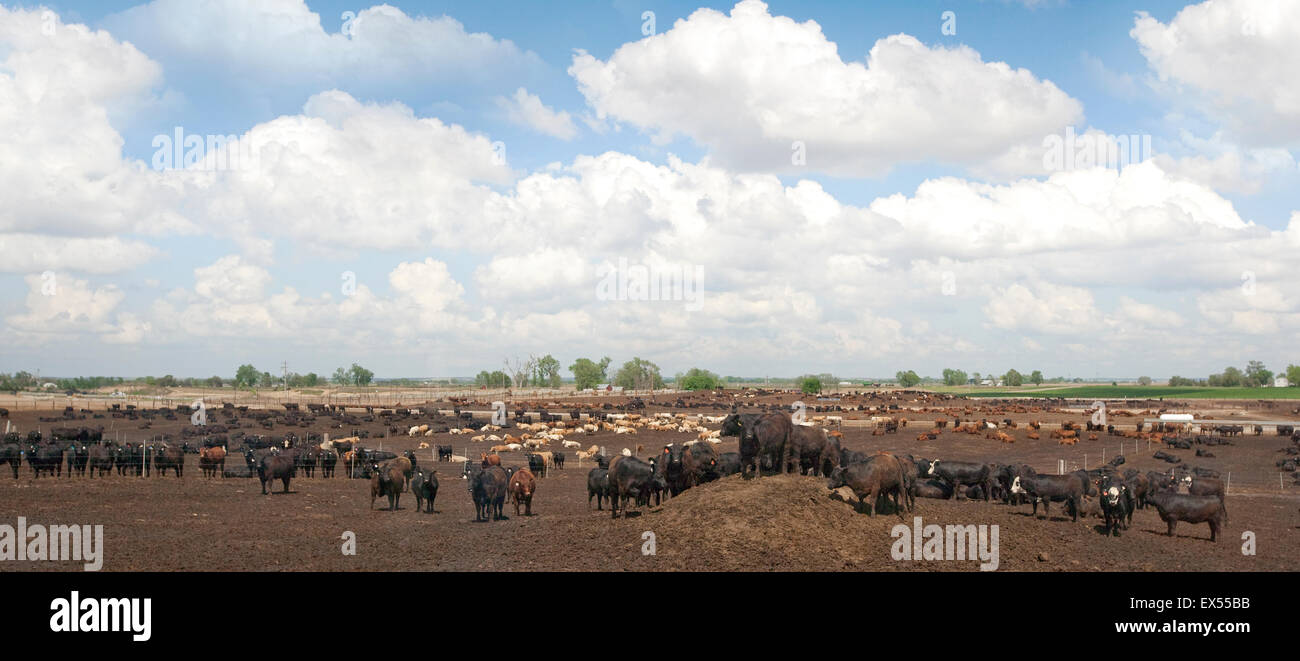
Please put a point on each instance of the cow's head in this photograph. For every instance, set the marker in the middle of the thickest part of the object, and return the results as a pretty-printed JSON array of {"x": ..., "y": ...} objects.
[
  {"x": 1015, "y": 486},
  {"x": 934, "y": 464},
  {"x": 1113, "y": 493},
  {"x": 837, "y": 479}
]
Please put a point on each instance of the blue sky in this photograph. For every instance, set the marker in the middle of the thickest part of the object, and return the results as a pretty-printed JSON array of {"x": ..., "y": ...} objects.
[{"x": 669, "y": 149}]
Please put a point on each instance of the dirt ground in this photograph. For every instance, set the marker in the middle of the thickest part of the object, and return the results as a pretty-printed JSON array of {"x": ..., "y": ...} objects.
[{"x": 772, "y": 523}]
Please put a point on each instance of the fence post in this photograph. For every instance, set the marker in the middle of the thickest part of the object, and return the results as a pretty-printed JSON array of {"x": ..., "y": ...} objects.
[{"x": 1228, "y": 487}]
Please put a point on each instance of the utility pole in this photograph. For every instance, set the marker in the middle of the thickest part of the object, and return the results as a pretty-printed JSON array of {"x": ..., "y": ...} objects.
[{"x": 284, "y": 368}]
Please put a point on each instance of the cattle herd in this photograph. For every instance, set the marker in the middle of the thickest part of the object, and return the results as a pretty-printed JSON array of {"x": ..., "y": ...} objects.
[{"x": 517, "y": 456}]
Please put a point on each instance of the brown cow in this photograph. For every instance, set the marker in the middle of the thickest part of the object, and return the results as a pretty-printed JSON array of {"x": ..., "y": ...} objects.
[
  {"x": 386, "y": 480},
  {"x": 403, "y": 465},
  {"x": 490, "y": 459},
  {"x": 522, "y": 487},
  {"x": 213, "y": 461}
]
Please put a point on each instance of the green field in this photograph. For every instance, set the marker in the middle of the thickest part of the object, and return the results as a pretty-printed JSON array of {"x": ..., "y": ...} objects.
[{"x": 1120, "y": 392}]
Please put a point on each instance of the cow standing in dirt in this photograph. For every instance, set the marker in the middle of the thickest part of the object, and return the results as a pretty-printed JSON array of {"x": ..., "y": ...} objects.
[
  {"x": 212, "y": 460},
  {"x": 1049, "y": 488},
  {"x": 271, "y": 467},
  {"x": 630, "y": 479},
  {"x": 386, "y": 480},
  {"x": 1116, "y": 505},
  {"x": 762, "y": 437},
  {"x": 488, "y": 487},
  {"x": 881, "y": 476},
  {"x": 1174, "y": 507},
  {"x": 523, "y": 484},
  {"x": 425, "y": 487}
]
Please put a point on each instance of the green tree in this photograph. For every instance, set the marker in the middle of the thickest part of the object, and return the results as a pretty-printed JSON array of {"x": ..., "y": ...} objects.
[
  {"x": 246, "y": 376},
  {"x": 341, "y": 377},
  {"x": 546, "y": 372},
  {"x": 495, "y": 379},
  {"x": 1232, "y": 377},
  {"x": 1012, "y": 378},
  {"x": 311, "y": 379},
  {"x": 699, "y": 379},
  {"x": 639, "y": 374},
  {"x": 360, "y": 375},
  {"x": 1144, "y": 380},
  {"x": 1257, "y": 375},
  {"x": 1293, "y": 375},
  {"x": 215, "y": 382},
  {"x": 976, "y": 376},
  {"x": 953, "y": 377},
  {"x": 168, "y": 381},
  {"x": 907, "y": 379},
  {"x": 810, "y": 385},
  {"x": 1036, "y": 377},
  {"x": 588, "y": 374}
]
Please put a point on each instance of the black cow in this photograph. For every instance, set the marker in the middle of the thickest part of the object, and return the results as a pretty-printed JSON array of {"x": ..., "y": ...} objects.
[
  {"x": 1165, "y": 456},
  {"x": 1205, "y": 486},
  {"x": 931, "y": 489},
  {"x": 328, "y": 459},
  {"x": 1116, "y": 505},
  {"x": 882, "y": 476},
  {"x": 728, "y": 464},
  {"x": 444, "y": 452},
  {"x": 598, "y": 486},
  {"x": 1052, "y": 488},
  {"x": 1159, "y": 481},
  {"x": 78, "y": 454},
  {"x": 271, "y": 467},
  {"x": 809, "y": 445},
  {"x": 537, "y": 464},
  {"x": 306, "y": 458},
  {"x": 558, "y": 459},
  {"x": 126, "y": 458},
  {"x": 1005, "y": 476},
  {"x": 629, "y": 478},
  {"x": 488, "y": 488},
  {"x": 1174, "y": 507},
  {"x": 1139, "y": 485},
  {"x": 168, "y": 457},
  {"x": 45, "y": 458},
  {"x": 763, "y": 439},
  {"x": 962, "y": 473},
  {"x": 11, "y": 453}
]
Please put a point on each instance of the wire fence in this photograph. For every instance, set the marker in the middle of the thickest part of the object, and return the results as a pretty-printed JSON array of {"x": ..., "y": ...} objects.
[{"x": 378, "y": 398}]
